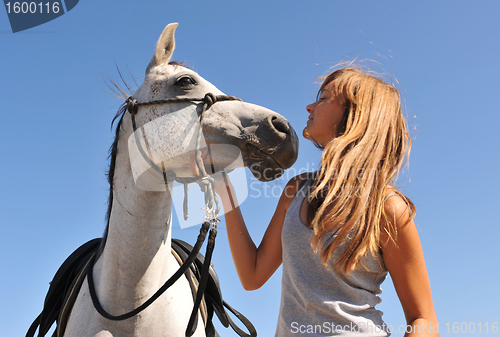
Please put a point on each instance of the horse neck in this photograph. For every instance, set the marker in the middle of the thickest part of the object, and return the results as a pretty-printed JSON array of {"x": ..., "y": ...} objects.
[{"x": 136, "y": 259}]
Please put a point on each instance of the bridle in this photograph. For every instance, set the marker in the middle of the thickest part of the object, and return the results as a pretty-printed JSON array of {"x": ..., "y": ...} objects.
[
  {"x": 210, "y": 222},
  {"x": 206, "y": 182}
]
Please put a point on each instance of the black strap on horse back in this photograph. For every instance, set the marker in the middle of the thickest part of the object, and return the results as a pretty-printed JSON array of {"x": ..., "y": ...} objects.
[{"x": 60, "y": 285}]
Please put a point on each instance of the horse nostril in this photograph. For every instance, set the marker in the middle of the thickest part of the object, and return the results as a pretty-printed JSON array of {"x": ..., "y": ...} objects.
[{"x": 280, "y": 125}]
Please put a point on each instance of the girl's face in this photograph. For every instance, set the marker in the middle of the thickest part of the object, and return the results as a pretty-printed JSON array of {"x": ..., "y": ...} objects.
[{"x": 324, "y": 116}]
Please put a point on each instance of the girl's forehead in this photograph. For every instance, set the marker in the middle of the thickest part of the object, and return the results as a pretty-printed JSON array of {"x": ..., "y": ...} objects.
[{"x": 327, "y": 89}]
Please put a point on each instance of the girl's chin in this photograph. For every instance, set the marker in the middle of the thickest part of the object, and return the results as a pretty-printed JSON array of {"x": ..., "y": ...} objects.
[{"x": 306, "y": 134}]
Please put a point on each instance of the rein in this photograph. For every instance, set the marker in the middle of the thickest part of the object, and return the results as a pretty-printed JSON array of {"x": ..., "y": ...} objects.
[{"x": 210, "y": 221}]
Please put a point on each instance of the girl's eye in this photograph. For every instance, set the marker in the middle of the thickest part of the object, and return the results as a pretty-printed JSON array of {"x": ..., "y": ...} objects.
[
  {"x": 185, "y": 82},
  {"x": 321, "y": 97}
]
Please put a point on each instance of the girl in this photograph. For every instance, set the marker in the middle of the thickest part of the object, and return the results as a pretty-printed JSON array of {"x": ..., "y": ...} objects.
[{"x": 340, "y": 230}]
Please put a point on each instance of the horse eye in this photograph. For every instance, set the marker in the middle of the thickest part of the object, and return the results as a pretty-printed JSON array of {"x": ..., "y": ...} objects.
[{"x": 185, "y": 82}]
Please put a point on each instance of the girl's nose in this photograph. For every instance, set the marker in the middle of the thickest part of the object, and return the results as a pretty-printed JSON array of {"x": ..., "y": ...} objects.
[{"x": 310, "y": 108}]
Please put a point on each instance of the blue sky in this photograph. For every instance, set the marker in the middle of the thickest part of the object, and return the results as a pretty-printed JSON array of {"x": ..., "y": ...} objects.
[{"x": 56, "y": 130}]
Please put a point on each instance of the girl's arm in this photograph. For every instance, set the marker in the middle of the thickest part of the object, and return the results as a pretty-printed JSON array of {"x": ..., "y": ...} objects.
[
  {"x": 405, "y": 261},
  {"x": 254, "y": 265}
]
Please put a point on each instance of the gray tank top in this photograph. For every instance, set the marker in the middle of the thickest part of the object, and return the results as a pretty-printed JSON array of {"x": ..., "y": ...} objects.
[{"x": 323, "y": 302}]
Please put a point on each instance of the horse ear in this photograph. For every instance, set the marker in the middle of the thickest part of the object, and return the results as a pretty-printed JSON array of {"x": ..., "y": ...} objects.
[{"x": 164, "y": 47}]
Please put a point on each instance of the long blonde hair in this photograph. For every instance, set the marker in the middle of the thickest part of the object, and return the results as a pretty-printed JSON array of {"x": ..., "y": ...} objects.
[{"x": 357, "y": 167}]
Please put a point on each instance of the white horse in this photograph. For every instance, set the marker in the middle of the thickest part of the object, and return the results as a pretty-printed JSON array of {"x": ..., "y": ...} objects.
[{"x": 135, "y": 258}]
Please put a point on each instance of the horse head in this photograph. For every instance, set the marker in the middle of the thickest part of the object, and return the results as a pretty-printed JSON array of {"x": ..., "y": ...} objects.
[{"x": 267, "y": 143}]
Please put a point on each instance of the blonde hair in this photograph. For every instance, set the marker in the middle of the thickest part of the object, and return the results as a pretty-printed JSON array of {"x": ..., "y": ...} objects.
[{"x": 357, "y": 167}]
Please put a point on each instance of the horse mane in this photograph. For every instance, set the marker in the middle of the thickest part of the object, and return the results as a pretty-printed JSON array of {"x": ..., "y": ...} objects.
[{"x": 111, "y": 171}]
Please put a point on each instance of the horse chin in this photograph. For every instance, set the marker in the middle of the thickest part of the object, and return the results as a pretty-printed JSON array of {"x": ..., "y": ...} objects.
[{"x": 262, "y": 165}]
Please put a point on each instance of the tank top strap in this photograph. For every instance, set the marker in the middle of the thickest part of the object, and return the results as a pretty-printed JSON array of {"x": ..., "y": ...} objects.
[
  {"x": 306, "y": 181},
  {"x": 389, "y": 195},
  {"x": 393, "y": 194}
]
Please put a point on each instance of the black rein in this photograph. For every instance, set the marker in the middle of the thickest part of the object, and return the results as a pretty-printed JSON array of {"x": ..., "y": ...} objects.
[{"x": 133, "y": 107}]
